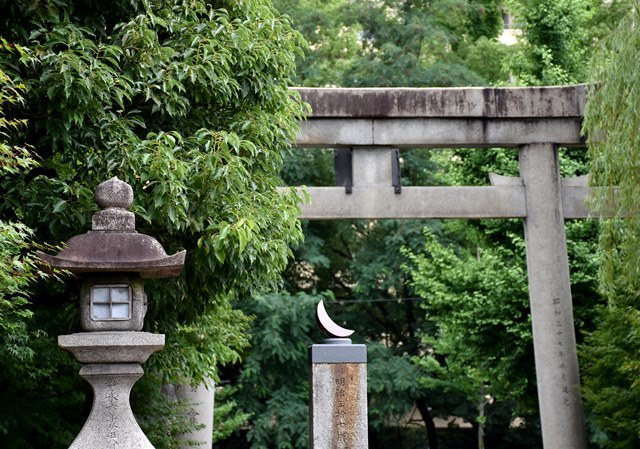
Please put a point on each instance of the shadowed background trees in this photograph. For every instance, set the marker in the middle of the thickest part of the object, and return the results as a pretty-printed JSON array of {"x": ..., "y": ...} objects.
[{"x": 443, "y": 305}]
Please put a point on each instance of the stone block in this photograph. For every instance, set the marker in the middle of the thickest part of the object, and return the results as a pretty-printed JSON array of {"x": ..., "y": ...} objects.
[
  {"x": 111, "y": 347},
  {"x": 339, "y": 406},
  {"x": 372, "y": 167}
]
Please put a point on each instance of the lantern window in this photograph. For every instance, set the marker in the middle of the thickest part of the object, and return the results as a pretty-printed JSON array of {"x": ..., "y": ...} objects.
[{"x": 111, "y": 302}]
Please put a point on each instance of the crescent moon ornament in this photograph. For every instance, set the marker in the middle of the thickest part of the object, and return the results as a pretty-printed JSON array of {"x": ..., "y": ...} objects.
[{"x": 328, "y": 326}]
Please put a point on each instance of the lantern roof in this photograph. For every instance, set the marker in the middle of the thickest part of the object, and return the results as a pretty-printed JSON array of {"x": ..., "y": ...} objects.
[{"x": 113, "y": 244}]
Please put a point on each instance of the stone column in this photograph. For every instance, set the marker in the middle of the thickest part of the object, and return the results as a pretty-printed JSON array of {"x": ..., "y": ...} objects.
[
  {"x": 200, "y": 406},
  {"x": 556, "y": 359},
  {"x": 338, "y": 396}
]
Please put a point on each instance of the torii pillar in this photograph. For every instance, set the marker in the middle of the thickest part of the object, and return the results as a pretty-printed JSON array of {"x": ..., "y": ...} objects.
[{"x": 554, "y": 342}]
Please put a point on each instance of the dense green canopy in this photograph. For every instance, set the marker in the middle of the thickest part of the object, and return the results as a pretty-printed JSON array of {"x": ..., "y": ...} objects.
[
  {"x": 188, "y": 102},
  {"x": 612, "y": 120}
]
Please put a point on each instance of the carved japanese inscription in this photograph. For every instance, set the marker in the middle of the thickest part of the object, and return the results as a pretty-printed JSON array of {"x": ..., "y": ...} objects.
[{"x": 340, "y": 410}]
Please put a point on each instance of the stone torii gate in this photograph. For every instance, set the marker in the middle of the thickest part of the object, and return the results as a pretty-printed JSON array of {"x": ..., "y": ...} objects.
[{"x": 370, "y": 125}]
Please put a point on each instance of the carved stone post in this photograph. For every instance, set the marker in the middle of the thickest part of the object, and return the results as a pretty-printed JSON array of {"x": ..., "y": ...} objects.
[{"x": 338, "y": 394}]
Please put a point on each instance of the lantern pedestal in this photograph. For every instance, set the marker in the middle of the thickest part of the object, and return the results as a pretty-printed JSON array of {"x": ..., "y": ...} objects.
[
  {"x": 111, "y": 424},
  {"x": 112, "y": 367}
]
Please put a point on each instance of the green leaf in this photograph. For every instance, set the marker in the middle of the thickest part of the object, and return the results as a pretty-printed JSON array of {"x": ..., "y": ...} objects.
[{"x": 59, "y": 206}]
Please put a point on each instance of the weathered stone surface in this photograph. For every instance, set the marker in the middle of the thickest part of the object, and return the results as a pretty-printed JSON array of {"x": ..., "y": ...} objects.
[
  {"x": 111, "y": 424},
  {"x": 121, "y": 252},
  {"x": 113, "y": 245},
  {"x": 199, "y": 410},
  {"x": 114, "y": 193},
  {"x": 554, "y": 343},
  {"x": 512, "y": 102},
  {"x": 331, "y": 203},
  {"x": 393, "y": 102},
  {"x": 335, "y": 132},
  {"x": 372, "y": 167},
  {"x": 339, "y": 406},
  {"x": 114, "y": 196},
  {"x": 113, "y": 220},
  {"x": 420, "y": 132},
  {"x": 111, "y": 347},
  {"x": 443, "y": 117}
]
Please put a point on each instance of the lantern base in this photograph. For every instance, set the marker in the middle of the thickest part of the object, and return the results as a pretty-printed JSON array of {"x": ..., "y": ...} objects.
[{"x": 111, "y": 424}]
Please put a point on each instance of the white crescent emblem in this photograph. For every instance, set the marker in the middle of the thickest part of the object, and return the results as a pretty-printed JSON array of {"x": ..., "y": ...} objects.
[{"x": 328, "y": 326}]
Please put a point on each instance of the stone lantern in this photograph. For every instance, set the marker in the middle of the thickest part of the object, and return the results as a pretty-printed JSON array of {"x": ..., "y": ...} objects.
[{"x": 112, "y": 260}]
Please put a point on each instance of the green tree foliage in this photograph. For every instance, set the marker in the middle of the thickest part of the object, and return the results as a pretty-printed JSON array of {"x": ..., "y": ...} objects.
[
  {"x": 393, "y": 42},
  {"x": 23, "y": 371},
  {"x": 16, "y": 270},
  {"x": 273, "y": 384},
  {"x": 473, "y": 277},
  {"x": 187, "y": 101},
  {"x": 442, "y": 43},
  {"x": 438, "y": 43},
  {"x": 360, "y": 261},
  {"x": 414, "y": 43},
  {"x": 28, "y": 355},
  {"x": 557, "y": 38},
  {"x": 483, "y": 295},
  {"x": 333, "y": 45},
  {"x": 612, "y": 121},
  {"x": 160, "y": 415},
  {"x": 228, "y": 417},
  {"x": 550, "y": 52}
]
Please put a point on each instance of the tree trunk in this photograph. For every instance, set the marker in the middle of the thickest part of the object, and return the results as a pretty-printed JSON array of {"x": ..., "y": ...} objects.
[
  {"x": 432, "y": 438},
  {"x": 481, "y": 406}
]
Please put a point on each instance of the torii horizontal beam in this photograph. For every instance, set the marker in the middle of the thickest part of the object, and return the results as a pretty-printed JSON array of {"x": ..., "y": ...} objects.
[
  {"x": 332, "y": 203},
  {"x": 447, "y": 117},
  {"x": 451, "y": 117}
]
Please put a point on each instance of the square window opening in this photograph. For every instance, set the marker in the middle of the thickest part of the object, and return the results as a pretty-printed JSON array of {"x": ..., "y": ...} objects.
[{"x": 111, "y": 302}]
